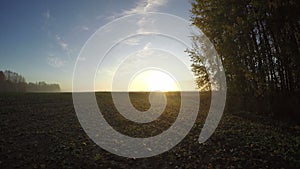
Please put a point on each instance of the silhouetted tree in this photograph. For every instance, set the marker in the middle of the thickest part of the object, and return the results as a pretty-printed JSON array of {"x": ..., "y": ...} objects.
[
  {"x": 2, "y": 81},
  {"x": 258, "y": 42},
  {"x": 13, "y": 82},
  {"x": 2, "y": 77}
]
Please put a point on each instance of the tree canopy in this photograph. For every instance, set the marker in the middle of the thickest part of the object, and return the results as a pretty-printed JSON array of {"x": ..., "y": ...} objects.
[
  {"x": 258, "y": 41},
  {"x": 13, "y": 82},
  {"x": 259, "y": 45}
]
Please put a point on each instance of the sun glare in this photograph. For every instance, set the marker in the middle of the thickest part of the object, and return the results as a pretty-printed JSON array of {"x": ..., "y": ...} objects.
[{"x": 153, "y": 80}]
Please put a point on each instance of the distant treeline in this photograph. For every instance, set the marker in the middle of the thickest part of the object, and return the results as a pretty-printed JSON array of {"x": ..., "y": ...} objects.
[{"x": 13, "y": 82}]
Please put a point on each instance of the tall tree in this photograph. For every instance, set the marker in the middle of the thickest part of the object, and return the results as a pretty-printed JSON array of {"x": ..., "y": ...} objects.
[
  {"x": 258, "y": 42},
  {"x": 2, "y": 77}
]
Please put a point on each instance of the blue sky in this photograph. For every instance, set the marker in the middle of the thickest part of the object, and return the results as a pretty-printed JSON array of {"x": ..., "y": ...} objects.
[{"x": 42, "y": 39}]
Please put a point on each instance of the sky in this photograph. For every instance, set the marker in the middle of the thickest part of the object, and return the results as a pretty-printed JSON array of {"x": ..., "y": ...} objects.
[{"x": 42, "y": 40}]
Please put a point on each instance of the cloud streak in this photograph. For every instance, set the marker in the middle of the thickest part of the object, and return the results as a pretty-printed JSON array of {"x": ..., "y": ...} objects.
[
  {"x": 56, "y": 62},
  {"x": 46, "y": 19},
  {"x": 140, "y": 7},
  {"x": 85, "y": 28},
  {"x": 132, "y": 41},
  {"x": 47, "y": 14},
  {"x": 146, "y": 6},
  {"x": 64, "y": 46}
]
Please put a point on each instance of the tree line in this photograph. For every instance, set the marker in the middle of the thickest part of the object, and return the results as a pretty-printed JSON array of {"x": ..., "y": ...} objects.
[
  {"x": 259, "y": 45},
  {"x": 13, "y": 82}
]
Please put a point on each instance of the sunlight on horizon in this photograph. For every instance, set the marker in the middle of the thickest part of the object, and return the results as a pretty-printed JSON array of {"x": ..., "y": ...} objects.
[{"x": 153, "y": 80}]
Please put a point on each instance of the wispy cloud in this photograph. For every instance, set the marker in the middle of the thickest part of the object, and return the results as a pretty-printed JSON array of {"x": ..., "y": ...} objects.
[
  {"x": 141, "y": 6},
  {"x": 85, "y": 28},
  {"x": 132, "y": 41},
  {"x": 59, "y": 62},
  {"x": 52, "y": 60},
  {"x": 145, "y": 52},
  {"x": 147, "y": 46},
  {"x": 56, "y": 62},
  {"x": 47, "y": 14},
  {"x": 146, "y": 6},
  {"x": 64, "y": 46},
  {"x": 46, "y": 19}
]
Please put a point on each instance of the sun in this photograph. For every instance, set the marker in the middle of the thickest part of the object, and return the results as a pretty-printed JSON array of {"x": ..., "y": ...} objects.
[
  {"x": 153, "y": 80},
  {"x": 160, "y": 81}
]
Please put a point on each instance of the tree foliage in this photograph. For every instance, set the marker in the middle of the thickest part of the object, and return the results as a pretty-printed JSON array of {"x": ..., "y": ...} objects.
[
  {"x": 258, "y": 41},
  {"x": 259, "y": 45},
  {"x": 13, "y": 82}
]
